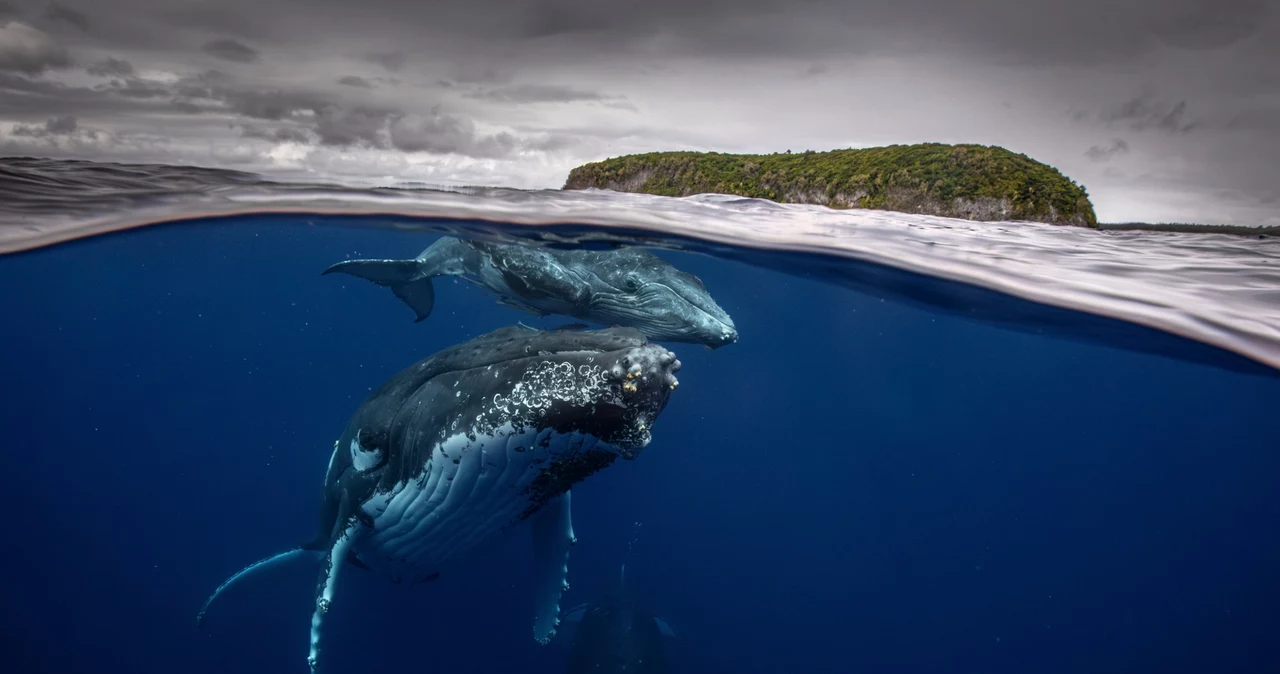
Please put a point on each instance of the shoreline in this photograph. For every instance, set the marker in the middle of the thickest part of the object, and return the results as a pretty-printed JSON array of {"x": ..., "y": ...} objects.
[{"x": 1190, "y": 228}]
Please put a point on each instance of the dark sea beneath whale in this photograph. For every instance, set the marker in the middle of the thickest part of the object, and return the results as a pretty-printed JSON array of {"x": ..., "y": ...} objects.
[{"x": 938, "y": 445}]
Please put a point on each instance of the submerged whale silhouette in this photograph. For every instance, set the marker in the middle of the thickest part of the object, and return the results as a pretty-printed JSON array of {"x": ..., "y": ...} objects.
[
  {"x": 627, "y": 287},
  {"x": 616, "y": 633},
  {"x": 459, "y": 448}
]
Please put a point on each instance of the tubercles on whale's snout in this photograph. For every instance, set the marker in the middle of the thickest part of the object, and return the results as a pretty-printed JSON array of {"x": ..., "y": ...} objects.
[
  {"x": 646, "y": 377},
  {"x": 644, "y": 365}
]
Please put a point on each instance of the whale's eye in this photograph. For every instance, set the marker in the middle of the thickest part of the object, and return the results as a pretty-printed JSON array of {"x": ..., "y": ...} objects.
[{"x": 632, "y": 283}]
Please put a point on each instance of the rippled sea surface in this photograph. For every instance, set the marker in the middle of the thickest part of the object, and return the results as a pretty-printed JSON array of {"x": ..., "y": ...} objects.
[
  {"x": 939, "y": 445},
  {"x": 1217, "y": 289}
]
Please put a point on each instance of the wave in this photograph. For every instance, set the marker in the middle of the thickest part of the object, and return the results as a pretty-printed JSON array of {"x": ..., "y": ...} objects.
[{"x": 1144, "y": 291}]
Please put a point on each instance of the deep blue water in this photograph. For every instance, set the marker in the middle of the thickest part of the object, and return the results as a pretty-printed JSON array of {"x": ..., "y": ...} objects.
[{"x": 858, "y": 485}]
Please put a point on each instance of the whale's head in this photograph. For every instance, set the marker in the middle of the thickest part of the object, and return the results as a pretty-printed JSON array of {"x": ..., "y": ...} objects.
[
  {"x": 611, "y": 397},
  {"x": 642, "y": 290},
  {"x": 556, "y": 394}
]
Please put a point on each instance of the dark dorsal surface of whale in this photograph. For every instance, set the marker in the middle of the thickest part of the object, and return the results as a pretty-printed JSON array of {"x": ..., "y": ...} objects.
[
  {"x": 459, "y": 448},
  {"x": 617, "y": 633},
  {"x": 625, "y": 287}
]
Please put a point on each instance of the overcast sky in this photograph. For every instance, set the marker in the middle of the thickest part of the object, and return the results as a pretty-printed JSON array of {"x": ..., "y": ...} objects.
[{"x": 1166, "y": 110}]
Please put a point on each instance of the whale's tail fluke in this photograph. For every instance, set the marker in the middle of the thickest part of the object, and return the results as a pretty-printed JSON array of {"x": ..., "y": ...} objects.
[
  {"x": 406, "y": 278},
  {"x": 273, "y": 561}
]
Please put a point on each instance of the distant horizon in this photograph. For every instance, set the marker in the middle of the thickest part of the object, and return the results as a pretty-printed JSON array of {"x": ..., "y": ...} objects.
[{"x": 390, "y": 182}]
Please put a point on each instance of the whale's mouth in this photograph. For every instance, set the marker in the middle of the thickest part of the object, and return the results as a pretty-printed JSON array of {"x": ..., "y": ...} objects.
[
  {"x": 631, "y": 451},
  {"x": 712, "y": 323},
  {"x": 662, "y": 312},
  {"x": 619, "y": 428}
]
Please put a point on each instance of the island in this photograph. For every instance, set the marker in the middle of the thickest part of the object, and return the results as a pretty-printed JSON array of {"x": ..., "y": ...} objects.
[{"x": 975, "y": 182}]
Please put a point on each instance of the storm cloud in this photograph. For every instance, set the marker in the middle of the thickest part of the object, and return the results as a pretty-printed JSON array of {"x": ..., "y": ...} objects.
[
  {"x": 57, "y": 13},
  {"x": 55, "y": 126},
  {"x": 231, "y": 50},
  {"x": 111, "y": 66},
  {"x": 1163, "y": 109},
  {"x": 1099, "y": 153},
  {"x": 355, "y": 81},
  {"x": 28, "y": 50},
  {"x": 1141, "y": 114},
  {"x": 536, "y": 93}
]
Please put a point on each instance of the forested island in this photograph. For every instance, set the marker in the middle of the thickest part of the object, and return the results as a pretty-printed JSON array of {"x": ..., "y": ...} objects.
[{"x": 976, "y": 182}]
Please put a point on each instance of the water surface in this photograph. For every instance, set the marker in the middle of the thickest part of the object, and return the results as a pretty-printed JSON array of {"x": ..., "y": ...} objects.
[{"x": 1216, "y": 289}]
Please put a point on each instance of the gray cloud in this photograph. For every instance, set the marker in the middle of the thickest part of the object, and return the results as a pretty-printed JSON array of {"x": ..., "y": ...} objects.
[
  {"x": 551, "y": 18},
  {"x": 271, "y": 104},
  {"x": 434, "y": 131},
  {"x": 355, "y": 81},
  {"x": 537, "y": 93},
  {"x": 27, "y": 50},
  {"x": 283, "y": 134},
  {"x": 1142, "y": 113},
  {"x": 1208, "y": 24},
  {"x": 66, "y": 137},
  {"x": 235, "y": 18},
  {"x": 55, "y": 126},
  {"x": 392, "y": 61},
  {"x": 1099, "y": 153},
  {"x": 6, "y": 9},
  {"x": 393, "y": 31},
  {"x": 59, "y": 14},
  {"x": 111, "y": 66},
  {"x": 61, "y": 125},
  {"x": 274, "y": 105},
  {"x": 126, "y": 99},
  {"x": 55, "y": 138},
  {"x": 231, "y": 50},
  {"x": 307, "y": 116},
  {"x": 136, "y": 87},
  {"x": 482, "y": 72},
  {"x": 358, "y": 126}
]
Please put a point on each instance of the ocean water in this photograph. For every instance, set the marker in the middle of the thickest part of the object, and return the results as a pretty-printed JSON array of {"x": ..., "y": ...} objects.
[{"x": 938, "y": 446}]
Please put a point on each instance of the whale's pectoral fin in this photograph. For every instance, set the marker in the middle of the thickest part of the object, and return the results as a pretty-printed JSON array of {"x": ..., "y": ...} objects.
[
  {"x": 570, "y": 622},
  {"x": 254, "y": 568},
  {"x": 508, "y": 302},
  {"x": 406, "y": 278},
  {"x": 575, "y": 614},
  {"x": 664, "y": 627},
  {"x": 338, "y": 552},
  {"x": 533, "y": 278},
  {"x": 552, "y": 538}
]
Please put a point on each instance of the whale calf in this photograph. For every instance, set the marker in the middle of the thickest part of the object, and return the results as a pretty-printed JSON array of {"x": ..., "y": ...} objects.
[
  {"x": 625, "y": 287},
  {"x": 617, "y": 634},
  {"x": 459, "y": 448}
]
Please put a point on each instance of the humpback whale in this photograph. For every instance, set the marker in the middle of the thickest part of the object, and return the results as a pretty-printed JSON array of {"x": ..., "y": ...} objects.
[
  {"x": 616, "y": 634},
  {"x": 462, "y": 446},
  {"x": 626, "y": 287}
]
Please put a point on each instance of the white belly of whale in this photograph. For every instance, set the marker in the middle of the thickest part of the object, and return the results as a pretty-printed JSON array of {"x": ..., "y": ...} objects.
[{"x": 472, "y": 493}]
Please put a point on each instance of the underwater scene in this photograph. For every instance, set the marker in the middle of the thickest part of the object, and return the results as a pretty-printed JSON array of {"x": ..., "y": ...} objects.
[{"x": 257, "y": 427}]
